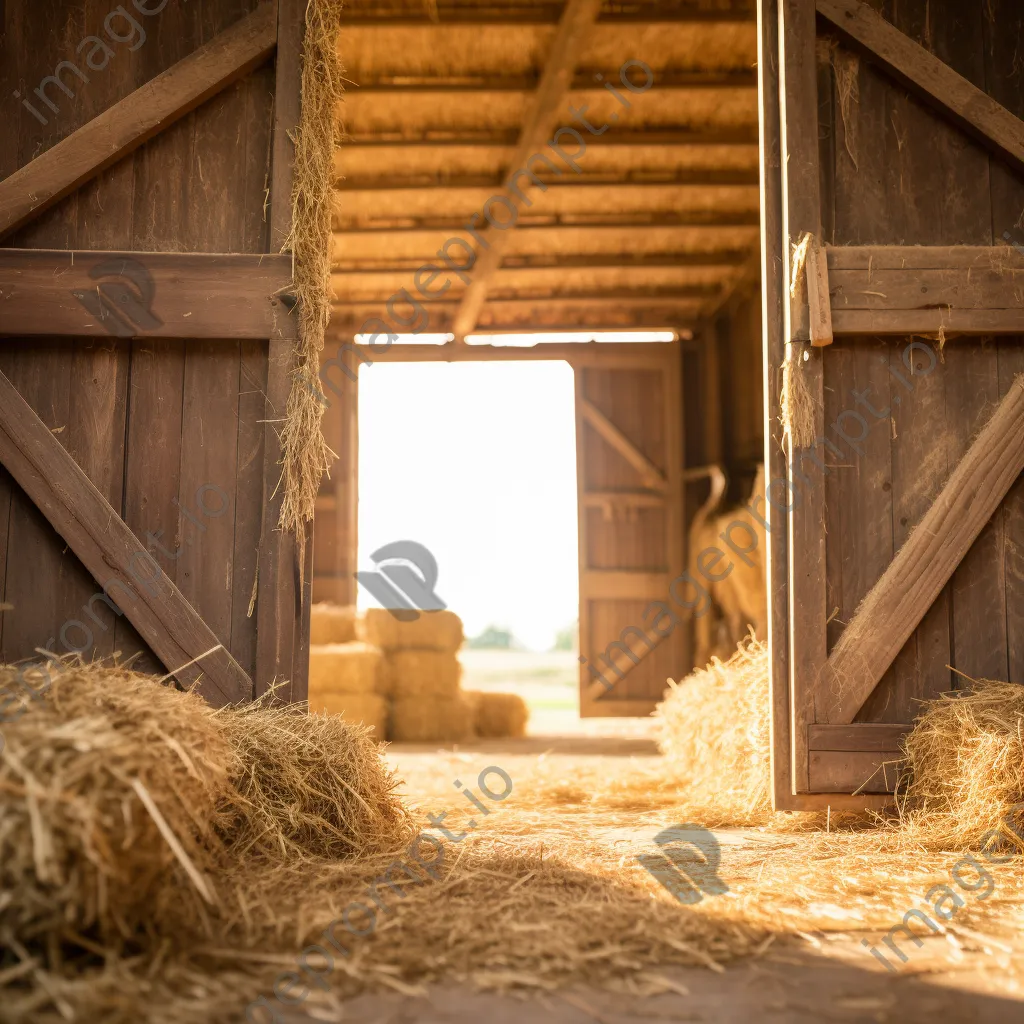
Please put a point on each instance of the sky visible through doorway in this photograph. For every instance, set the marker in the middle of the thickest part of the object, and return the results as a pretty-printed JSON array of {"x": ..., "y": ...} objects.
[{"x": 477, "y": 461}]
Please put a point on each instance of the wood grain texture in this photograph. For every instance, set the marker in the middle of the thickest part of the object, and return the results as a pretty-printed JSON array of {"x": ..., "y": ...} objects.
[
  {"x": 144, "y": 294},
  {"x": 854, "y": 771},
  {"x": 126, "y": 125},
  {"x": 896, "y": 604},
  {"x": 818, "y": 295},
  {"x": 860, "y": 736},
  {"x": 651, "y": 475},
  {"x": 112, "y": 553},
  {"x": 930, "y": 77}
]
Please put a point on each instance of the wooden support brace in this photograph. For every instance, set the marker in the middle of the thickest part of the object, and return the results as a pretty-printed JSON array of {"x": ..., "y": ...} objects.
[
  {"x": 137, "y": 118},
  {"x": 145, "y": 294},
  {"x": 914, "y": 66},
  {"x": 118, "y": 561},
  {"x": 896, "y": 604},
  {"x": 652, "y": 476}
]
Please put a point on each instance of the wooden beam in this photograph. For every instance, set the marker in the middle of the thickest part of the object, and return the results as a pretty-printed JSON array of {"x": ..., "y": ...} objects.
[
  {"x": 698, "y": 219},
  {"x": 506, "y": 139},
  {"x": 569, "y": 261},
  {"x": 284, "y": 573},
  {"x": 134, "y": 120},
  {"x": 801, "y": 213},
  {"x": 590, "y": 353},
  {"x": 818, "y": 298},
  {"x": 577, "y": 18},
  {"x": 712, "y": 178},
  {"x": 884, "y": 736},
  {"x": 854, "y": 771},
  {"x": 895, "y": 605},
  {"x": 620, "y": 584},
  {"x": 462, "y": 85},
  {"x": 144, "y": 294},
  {"x": 498, "y": 18},
  {"x": 917, "y": 289},
  {"x": 651, "y": 475},
  {"x": 118, "y": 561},
  {"x": 914, "y": 66},
  {"x": 619, "y": 298}
]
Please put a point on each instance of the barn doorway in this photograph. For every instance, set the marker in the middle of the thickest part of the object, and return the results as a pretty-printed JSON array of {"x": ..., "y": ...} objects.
[{"x": 477, "y": 461}]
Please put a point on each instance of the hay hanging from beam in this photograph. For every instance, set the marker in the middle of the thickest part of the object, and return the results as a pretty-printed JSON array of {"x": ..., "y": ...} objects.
[{"x": 305, "y": 455}]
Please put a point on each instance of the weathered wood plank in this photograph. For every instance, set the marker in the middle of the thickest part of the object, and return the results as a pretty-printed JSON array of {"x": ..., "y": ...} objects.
[
  {"x": 854, "y": 771},
  {"x": 818, "y": 297},
  {"x": 921, "y": 568},
  {"x": 128, "y": 124},
  {"x": 113, "y": 554},
  {"x": 144, "y": 294},
  {"x": 970, "y": 107},
  {"x": 884, "y": 736}
]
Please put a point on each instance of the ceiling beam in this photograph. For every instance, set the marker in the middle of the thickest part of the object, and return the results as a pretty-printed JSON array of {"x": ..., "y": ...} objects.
[
  {"x": 504, "y": 17},
  {"x": 577, "y": 222},
  {"x": 739, "y": 78},
  {"x": 588, "y": 261},
  {"x": 537, "y": 139},
  {"x": 701, "y": 178},
  {"x": 577, "y": 18},
  {"x": 620, "y": 297}
]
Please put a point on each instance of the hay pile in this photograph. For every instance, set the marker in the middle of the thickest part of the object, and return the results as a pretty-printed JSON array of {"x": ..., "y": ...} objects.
[
  {"x": 138, "y": 822},
  {"x": 713, "y": 728}
]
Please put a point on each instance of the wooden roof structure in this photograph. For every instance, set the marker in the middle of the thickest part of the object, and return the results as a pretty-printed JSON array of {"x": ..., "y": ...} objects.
[{"x": 448, "y": 99}]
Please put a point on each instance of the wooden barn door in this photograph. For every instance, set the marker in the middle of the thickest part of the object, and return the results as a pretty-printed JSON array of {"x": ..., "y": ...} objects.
[
  {"x": 893, "y": 186},
  {"x": 629, "y": 463}
]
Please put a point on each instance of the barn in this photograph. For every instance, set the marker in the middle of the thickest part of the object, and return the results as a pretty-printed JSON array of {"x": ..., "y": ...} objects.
[{"x": 271, "y": 268}]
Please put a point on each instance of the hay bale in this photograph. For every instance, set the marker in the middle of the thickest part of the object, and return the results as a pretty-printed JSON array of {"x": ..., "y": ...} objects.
[
  {"x": 423, "y": 674},
  {"x": 130, "y": 808},
  {"x": 965, "y": 763},
  {"x": 430, "y": 631},
  {"x": 498, "y": 715},
  {"x": 714, "y": 729},
  {"x": 426, "y": 719},
  {"x": 345, "y": 668},
  {"x": 332, "y": 623},
  {"x": 368, "y": 709}
]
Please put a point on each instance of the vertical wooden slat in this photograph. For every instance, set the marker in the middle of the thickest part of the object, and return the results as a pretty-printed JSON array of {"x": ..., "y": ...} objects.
[
  {"x": 801, "y": 212},
  {"x": 283, "y": 604}
]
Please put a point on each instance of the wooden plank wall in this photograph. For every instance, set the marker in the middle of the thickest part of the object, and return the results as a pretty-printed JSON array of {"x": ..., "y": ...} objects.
[
  {"x": 149, "y": 422},
  {"x": 893, "y": 172}
]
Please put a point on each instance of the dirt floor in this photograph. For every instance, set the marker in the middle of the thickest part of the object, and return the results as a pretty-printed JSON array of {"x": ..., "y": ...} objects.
[{"x": 813, "y": 967}]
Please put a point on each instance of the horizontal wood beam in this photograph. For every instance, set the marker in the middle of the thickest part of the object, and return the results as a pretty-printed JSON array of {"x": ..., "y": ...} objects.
[
  {"x": 145, "y": 294},
  {"x": 613, "y": 584},
  {"x": 854, "y": 771},
  {"x": 922, "y": 289},
  {"x": 735, "y": 78},
  {"x": 134, "y": 120},
  {"x": 929, "y": 77},
  {"x": 699, "y": 179},
  {"x": 507, "y": 138},
  {"x": 444, "y": 17},
  {"x": 895, "y": 605},
  {"x": 569, "y": 261},
  {"x": 617, "y": 298},
  {"x": 118, "y": 561},
  {"x": 592, "y": 353},
  {"x": 879, "y": 736},
  {"x": 710, "y": 220}
]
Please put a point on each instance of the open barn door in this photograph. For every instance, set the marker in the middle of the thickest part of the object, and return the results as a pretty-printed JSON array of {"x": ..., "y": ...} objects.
[
  {"x": 628, "y": 467},
  {"x": 893, "y": 313}
]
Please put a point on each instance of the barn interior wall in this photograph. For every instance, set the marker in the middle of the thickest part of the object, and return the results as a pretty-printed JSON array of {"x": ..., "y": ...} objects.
[
  {"x": 895, "y": 172},
  {"x": 150, "y": 422}
]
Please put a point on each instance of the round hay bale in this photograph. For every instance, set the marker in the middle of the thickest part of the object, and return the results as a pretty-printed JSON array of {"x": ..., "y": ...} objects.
[
  {"x": 423, "y": 674},
  {"x": 332, "y": 623},
  {"x": 430, "y": 631},
  {"x": 345, "y": 668},
  {"x": 498, "y": 715},
  {"x": 98, "y": 769},
  {"x": 426, "y": 720},
  {"x": 358, "y": 708}
]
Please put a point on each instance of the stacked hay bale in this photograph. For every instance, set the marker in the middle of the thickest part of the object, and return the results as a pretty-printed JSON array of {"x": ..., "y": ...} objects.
[
  {"x": 422, "y": 674},
  {"x": 347, "y": 677}
]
